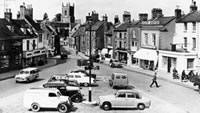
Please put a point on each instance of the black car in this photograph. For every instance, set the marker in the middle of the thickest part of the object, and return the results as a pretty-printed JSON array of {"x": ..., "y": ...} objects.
[
  {"x": 83, "y": 71},
  {"x": 115, "y": 64},
  {"x": 66, "y": 89}
]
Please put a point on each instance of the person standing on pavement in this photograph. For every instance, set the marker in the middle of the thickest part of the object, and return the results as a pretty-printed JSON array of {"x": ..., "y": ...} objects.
[
  {"x": 183, "y": 75},
  {"x": 154, "y": 80}
]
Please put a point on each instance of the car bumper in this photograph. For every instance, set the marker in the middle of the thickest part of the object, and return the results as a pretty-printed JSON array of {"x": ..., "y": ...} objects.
[{"x": 20, "y": 79}]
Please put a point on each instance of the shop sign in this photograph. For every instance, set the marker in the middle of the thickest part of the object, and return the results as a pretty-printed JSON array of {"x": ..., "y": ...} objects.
[{"x": 150, "y": 22}]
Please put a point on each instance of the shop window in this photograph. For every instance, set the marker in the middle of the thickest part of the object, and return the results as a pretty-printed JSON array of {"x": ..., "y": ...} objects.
[
  {"x": 190, "y": 63},
  {"x": 4, "y": 61},
  {"x": 134, "y": 60}
]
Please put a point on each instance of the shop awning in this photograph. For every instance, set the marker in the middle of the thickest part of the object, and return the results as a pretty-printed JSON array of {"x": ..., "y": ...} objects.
[{"x": 146, "y": 54}]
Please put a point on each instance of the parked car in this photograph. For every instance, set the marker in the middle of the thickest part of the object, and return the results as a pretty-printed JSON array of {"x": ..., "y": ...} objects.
[
  {"x": 59, "y": 77},
  {"x": 81, "y": 78},
  {"x": 118, "y": 80},
  {"x": 27, "y": 75},
  {"x": 67, "y": 90},
  {"x": 124, "y": 99},
  {"x": 115, "y": 64},
  {"x": 37, "y": 98},
  {"x": 85, "y": 72}
]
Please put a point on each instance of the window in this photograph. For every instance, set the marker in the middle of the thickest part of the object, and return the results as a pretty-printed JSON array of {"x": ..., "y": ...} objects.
[
  {"x": 4, "y": 61},
  {"x": 77, "y": 76},
  {"x": 194, "y": 43},
  {"x": 123, "y": 95},
  {"x": 34, "y": 44},
  {"x": 117, "y": 77},
  {"x": 2, "y": 45},
  {"x": 185, "y": 26},
  {"x": 120, "y": 44},
  {"x": 27, "y": 45},
  {"x": 134, "y": 35},
  {"x": 65, "y": 12},
  {"x": 123, "y": 77},
  {"x": 133, "y": 43},
  {"x": 185, "y": 41},
  {"x": 52, "y": 95},
  {"x": 40, "y": 37},
  {"x": 120, "y": 35},
  {"x": 130, "y": 95},
  {"x": 154, "y": 39},
  {"x": 194, "y": 26},
  {"x": 146, "y": 38},
  {"x": 190, "y": 63}
]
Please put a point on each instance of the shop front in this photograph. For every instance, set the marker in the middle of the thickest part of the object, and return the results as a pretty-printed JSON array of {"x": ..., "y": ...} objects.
[
  {"x": 34, "y": 58},
  {"x": 147, "y": 58}
]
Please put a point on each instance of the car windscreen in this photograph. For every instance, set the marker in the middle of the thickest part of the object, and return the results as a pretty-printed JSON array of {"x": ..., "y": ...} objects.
[{"x": 24, "y": 72}]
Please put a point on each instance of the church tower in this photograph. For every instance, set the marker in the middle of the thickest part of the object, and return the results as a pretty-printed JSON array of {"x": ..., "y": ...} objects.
[{"x": 68, "y": 13}]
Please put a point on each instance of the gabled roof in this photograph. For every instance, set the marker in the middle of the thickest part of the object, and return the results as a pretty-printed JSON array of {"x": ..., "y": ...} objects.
[
  {"x": 190, "y": 17},
  {"x": 33, "y": 23}
]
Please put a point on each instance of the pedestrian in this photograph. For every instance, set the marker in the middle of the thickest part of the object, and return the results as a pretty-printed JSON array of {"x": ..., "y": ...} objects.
[
  {"x": 154, "y": 80},
  {"x": 183, "y": 75}
]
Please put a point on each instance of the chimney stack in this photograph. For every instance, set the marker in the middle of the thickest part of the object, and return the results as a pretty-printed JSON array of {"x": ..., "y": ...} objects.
[
  {"x": 178, "y": 12},
  {"x": 143, "y": 16},
  {"x": 126, "y": 17},
  {"x": 156, "y": 13},
  {"x": 116, "y": 19},
  {"x": 8, "y": 15}
]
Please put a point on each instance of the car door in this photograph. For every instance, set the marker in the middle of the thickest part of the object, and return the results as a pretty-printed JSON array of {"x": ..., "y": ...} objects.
[
  {"x": 119, "y": 100},
  {"x": 52, "y": 100},
  {"x": 131, "y": 99}
]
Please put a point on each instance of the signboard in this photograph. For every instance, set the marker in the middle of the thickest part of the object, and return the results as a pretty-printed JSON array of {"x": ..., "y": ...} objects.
[{"x": 150, "y": 22}]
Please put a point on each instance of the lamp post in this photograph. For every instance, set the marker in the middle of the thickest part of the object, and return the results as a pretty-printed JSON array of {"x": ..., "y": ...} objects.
[{"x": 90, "y": 64}]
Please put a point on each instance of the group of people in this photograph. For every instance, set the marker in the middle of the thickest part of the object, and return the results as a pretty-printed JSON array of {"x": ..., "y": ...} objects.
[{"x": 184, "y": 76}]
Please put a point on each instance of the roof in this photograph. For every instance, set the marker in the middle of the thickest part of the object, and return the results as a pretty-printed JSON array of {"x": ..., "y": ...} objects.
[
  {"x": 59, "y": 24},
  {"x": 190, "y": 17},
  {"x": 95, "y": 26},
  {"x": 123, "y": 26},
  {"x": 158, "y": 21},
  {"x": 33, "y": 23},
  {"x": 29, "y": 68},
  {"x": 73, "y": 25},
  {"x": 6, "y": 34}
]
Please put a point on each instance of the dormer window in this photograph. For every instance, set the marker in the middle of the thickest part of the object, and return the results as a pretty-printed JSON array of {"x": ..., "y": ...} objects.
[
  {"x": 11, "y": 28},
  {"x": 30, "y": 31},
  {"x": 23, "y": 30}
]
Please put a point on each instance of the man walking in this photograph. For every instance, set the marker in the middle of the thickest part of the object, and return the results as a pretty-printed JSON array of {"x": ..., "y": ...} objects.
[{"x": 154, "y": 80}]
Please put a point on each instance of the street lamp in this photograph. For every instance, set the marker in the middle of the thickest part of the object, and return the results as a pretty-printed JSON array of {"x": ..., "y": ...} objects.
[{"x": 90, "y": 64}]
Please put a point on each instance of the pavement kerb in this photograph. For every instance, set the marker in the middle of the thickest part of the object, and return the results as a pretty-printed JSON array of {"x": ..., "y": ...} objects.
[
  {"x": 148, "y": 74},
  {"x": 12, "y": 75}
]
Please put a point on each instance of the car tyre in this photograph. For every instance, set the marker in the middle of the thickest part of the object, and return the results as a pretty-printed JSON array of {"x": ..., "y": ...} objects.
[
  {"x": 76, "y": 99},
  {"x": 62, "y": 108},
  {"x": 35, "y": 107},
  {"x": 106, "y": 106},
  {"x": 141, "y": 106}
]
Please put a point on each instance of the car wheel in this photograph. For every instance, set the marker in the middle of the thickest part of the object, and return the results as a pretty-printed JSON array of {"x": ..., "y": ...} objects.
[
  {"x": 106, "y": 106},
  {"x": 76, "y": 99},
  {"x": 141, "y": 106},
  {"x": 62, "y": 108},
  {"x": 35, "y": 107}
]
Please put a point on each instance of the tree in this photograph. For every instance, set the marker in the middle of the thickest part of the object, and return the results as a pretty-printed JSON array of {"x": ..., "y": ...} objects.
[{"x": 57, "y": 17}]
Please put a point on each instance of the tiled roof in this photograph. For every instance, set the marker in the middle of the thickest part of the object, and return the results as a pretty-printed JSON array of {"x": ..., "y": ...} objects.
[
  {"x": 33, "y": 23},
  {"x": 190, "y": 17},
  {"x": 5, "y": 33},
  {"x": 123, "y": 26},
  {"x": 161, "y": 21},
  {"x": 59, "y": 24}
]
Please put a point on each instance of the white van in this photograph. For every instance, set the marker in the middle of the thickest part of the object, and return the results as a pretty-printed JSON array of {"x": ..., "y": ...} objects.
[
  {"x": 36, "y": 98},
  {"x": 27, "y": 75},
  {"x": 118, "y": 80}
]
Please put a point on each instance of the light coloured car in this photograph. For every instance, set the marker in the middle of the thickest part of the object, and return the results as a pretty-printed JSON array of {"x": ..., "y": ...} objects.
[
  {"x": 27, "y": 75},
  {"x": 124, "y": 99},
  {"x": 81, "y": 78},
  {"x": 37, "y": 98}
]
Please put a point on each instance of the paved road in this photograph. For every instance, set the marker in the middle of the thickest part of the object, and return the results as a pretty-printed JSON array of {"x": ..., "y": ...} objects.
[{"x": 169, "y": 98}]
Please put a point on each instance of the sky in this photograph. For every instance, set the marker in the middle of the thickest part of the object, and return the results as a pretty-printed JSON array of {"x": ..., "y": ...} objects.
[{"x": 102, "y": 7}]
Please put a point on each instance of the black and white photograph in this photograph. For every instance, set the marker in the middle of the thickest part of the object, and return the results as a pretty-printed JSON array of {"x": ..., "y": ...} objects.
[{"x": 99, "y": 56}]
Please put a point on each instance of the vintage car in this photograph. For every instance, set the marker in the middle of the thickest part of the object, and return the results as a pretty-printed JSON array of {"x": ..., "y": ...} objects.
[
  {"x": 115, "y": 64},
  {"x": 85, "y": 72},
  {"x": 119, "y": 80},
  {"x": 124, "y": 99},
  {"x": 66, "y": 89},
  {"x": 59, "y": 77},
  {"x": 37, "y": 98},
  {"x": 81, "y": 78},
  {"x": 27, "y": 75}
]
